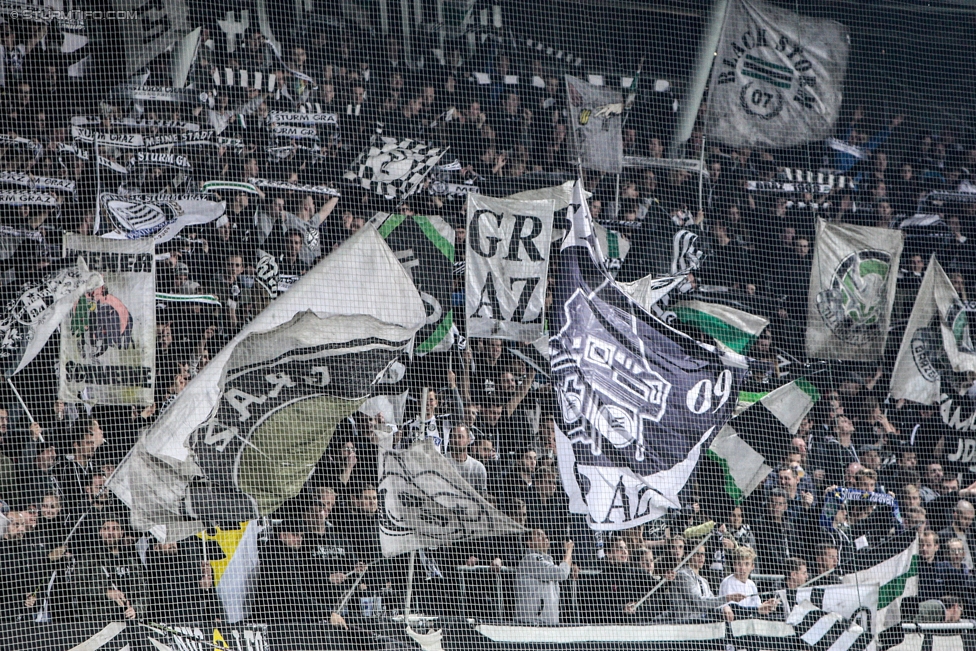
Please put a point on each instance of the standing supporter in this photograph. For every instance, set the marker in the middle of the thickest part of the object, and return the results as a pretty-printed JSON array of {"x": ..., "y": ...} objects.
[{"x": 537, "y": 581}]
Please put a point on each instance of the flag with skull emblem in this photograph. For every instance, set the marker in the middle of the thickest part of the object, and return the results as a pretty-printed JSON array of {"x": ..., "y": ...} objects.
[
  {"x": 639, "y": 401},
  {"x": 393, "y": 168},
  {"x": 852, "y": 290}
]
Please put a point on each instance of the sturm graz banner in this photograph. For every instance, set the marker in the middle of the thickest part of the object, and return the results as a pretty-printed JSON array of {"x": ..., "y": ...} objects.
[
  {"x": 852, "y": 290},
  {"x": 108, "y": 341},
  {"x": 778, "y": 77},
  {"x": 638, "y": 399},
  {"x": 506, "y": 268}
]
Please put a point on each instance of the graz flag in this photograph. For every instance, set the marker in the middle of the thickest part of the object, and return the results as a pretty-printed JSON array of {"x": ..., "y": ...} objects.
[
  {"x": 247, "y": 431},
  {"x": 596, "y": 116},
  {"x": 108, "y": 338},
  {"x": 424, "y": 502},
  {"x": 778, "y": 78},
  {"x": 937, "y": 349},
  {"x": 506, "y": 267},
  {"x": 33, "y": 316},
  {"x": 852, "y": 289},
  {"x": 424, "y": 245},
  {"x": 638, "y": 399}
]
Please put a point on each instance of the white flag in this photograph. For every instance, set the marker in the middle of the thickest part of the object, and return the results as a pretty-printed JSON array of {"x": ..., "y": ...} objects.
[
  {"x": 108, "y": 339},
  {"x": 34, "y": 316},
  {"x": 424, "y": 502},
  {"x": 596, "y": 118},
  {"x": 937, "y": 341},
  {"x": 506, "y": 267},
  {"x": 852, "y": 289},
  {"x": 247, "y": 431},
  {"x": 778, "y": 77}
]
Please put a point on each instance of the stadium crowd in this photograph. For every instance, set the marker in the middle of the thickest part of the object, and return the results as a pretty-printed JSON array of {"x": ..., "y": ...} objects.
[{"x": 69, "y": 553}]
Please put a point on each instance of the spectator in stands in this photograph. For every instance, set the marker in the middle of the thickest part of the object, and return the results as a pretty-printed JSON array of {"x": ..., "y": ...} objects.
[
  {"x": 826, "y": 563},
  {"x": 537, "y": 580},
  {"x": 611, "y": 597},
  {"x": 110, "y": 578},
  {"x": 775, "y": 536},
  {"x": 358, "y": 523},
  {"x": 931, "y": 572},
  {"x": 74, "y": 474},
  {"x": 472, "y": 470},
  {"x": 739, "y": 583},
  {"x": 958, "y": 578},
  {"x": 961, "y": 529},
  {"x": 691, "y": 598}
]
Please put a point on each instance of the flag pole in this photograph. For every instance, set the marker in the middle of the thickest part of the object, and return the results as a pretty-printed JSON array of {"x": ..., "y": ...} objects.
[
  {"x": 699, "y": 79},
  {"x": 406, "y": 601},
  {"x": 21, "y": 401},
  {"x": 678, "y": 567}
]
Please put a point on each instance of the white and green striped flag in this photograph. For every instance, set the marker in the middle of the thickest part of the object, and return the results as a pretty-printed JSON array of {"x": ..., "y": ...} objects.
[
  {"x": 730, "y": 327},
  {"x": 897, "y": 577},
  {"x": 759, "y": 434}
]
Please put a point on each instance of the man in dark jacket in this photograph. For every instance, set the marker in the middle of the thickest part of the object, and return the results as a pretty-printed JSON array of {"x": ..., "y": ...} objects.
[
  {"x": 775, "y": 538},
  {"x": 109, "y": 584},
  {"x": 613, "y": 594}
]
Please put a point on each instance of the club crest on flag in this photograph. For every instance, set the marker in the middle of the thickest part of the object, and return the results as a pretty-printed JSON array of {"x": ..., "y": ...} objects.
[
  {"x": 957, "y": 320},
  {"x": 853, "y": 304}
]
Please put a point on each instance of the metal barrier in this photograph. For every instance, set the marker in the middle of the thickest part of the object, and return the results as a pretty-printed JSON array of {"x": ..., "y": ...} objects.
[{"x": 464, "y": 570}]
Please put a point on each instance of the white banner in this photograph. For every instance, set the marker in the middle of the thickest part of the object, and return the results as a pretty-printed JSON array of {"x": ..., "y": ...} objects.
[
  {"x": 778, "y": 77},
  {"x": 108, "y": 341},
  {"x": 506, "y": 266},
  {"x": 937, "y": 343},
  {"x": 852, "y": 289},
  {"x": 596, "y": 116},
  {"x": 424, "y": 502}
]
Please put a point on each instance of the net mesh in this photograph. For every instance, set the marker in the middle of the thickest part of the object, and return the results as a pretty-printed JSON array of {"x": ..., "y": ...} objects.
[{"x": 445, "y": 324}]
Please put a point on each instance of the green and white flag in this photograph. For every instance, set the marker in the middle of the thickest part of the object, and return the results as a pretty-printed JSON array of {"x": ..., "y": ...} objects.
[
  {"x": 759, "y": 434},
  {"x": 424, "y": 245},
  {"x": 937, "y": 342},
  {"x": 730, "y": 327},
  {"x": 852, "y": 289},
  {"x": 778, "y": 77},
  {"x": 896, "y": 578}
]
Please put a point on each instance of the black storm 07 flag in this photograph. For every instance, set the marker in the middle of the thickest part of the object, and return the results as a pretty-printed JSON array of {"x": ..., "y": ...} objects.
[
  {"x": 778, "y": 78},
  {"x": 639, "y": 400}
]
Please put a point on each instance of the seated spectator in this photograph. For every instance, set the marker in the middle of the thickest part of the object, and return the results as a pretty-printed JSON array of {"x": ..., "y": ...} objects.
[
  {"x": 691, "y": 598},
  {"x": 537, "y": 581},
  {"x": 931, "y": 572},
  {"x": 796, "y": 577},
  {"x": 739, "y": 583},
  {"x": 180, "y": 584},
  {"x": 962, "y": 529},
  {"x": 958, "y": 578},
  {"x": 825, "y": 565}
]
